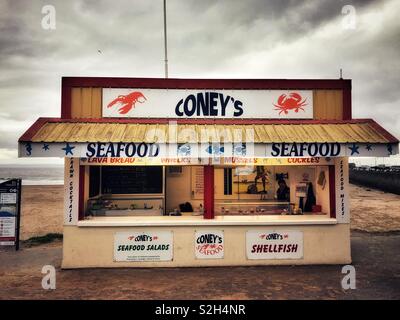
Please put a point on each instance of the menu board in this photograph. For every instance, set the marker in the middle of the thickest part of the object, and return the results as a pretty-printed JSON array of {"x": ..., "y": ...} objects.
[
  {"x": 132, "y": 179},
  {"x": 10, "y": 195}
]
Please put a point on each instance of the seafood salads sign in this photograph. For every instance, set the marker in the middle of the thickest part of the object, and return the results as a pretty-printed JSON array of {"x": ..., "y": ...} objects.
[
  {"x": 207, "y": 103},
  {"x": 270, "y": 244},
  {"x": 143, "y": 246},
  {"x": 209, "y": 244}
]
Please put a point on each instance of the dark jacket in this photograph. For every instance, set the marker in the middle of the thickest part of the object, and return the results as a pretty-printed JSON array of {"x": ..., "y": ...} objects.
[{"x": 283, "y": 194}]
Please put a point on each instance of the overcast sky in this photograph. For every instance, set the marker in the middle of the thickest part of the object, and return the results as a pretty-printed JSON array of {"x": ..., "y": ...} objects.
[{"x": 215, "y": 39}]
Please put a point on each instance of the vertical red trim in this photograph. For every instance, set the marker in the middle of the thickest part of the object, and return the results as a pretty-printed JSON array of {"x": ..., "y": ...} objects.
[
  {"x": 347, "y": 112},
  {"x": 332, "y": 191},
  {"x": 208, "y": 192},
  {"x": 65, "y": 100},
  {"x": 81, "y": 213}
]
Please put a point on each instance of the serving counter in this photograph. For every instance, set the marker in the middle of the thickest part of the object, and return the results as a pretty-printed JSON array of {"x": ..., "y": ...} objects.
[{"x": 251, "y": 207}]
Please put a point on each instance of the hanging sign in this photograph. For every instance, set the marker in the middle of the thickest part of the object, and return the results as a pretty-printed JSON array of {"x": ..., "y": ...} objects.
[
  {"x": 207, "y": 103},
  {"x": 143, "y": 246},
  {"x": 271, "y": 244},
  {"x": 209, "y": 244}
]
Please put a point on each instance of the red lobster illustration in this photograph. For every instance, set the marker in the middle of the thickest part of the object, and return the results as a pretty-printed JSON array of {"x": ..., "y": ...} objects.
[
  {"x": 128, "y": 102},
  {"x": 290, "y": 102}
]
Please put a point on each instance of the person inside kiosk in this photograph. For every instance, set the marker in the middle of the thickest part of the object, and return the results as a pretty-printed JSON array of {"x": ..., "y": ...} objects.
[{"x": 283, "y": 192}]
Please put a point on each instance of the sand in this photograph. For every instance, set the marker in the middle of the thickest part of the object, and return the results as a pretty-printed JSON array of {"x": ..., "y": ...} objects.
[
  {"x": 371, "y": 210},
  {"x": 42, "y": 210}
]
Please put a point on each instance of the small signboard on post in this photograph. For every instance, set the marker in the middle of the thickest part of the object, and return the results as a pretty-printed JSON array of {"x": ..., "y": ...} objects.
[{"x": 10, "y": 212}]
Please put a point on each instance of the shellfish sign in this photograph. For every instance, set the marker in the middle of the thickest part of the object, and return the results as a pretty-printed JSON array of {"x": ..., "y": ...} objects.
[
  {"x": 271, "y": 244},
  {"x": 207, "y": 103}
]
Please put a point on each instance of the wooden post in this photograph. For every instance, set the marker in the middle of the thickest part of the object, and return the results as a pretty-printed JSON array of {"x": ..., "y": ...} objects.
[
  {"x": 81, "y": 213},
  {"x": 208, "y": 192}
]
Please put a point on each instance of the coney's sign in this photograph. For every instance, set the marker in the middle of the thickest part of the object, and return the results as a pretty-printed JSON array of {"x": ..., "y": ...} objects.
[
  {"x": 207, "y": 103},
  {"x": 209, "y": 244}
]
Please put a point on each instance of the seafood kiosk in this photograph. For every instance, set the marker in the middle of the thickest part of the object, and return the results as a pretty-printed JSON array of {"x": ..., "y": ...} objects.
[{"x": 205, "y": 172}]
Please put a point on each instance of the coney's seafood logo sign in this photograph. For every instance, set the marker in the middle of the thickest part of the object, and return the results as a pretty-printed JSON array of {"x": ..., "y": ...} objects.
[
  {"x": 143, "y": 246},
  {"x": 274, "y": 244},
  {"x": 209, "y": 244},
  {"x": 207, "y": 103}
]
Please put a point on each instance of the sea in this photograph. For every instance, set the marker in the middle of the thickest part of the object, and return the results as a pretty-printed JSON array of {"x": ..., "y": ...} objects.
[{"x": 34, "y": 175}]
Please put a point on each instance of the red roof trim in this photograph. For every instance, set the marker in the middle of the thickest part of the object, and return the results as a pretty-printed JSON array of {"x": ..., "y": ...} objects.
[
  {"x": 34, "y": 128},
  {"x": 382, "y": 131},
  {"x": 176, "y": 83},
  {"x": 205, "y": 121}
]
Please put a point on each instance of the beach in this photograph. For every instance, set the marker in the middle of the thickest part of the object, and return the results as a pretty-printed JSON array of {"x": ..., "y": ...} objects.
[
  {"x": 371, "y": 210},
  {"x": 42, "y": 210}
]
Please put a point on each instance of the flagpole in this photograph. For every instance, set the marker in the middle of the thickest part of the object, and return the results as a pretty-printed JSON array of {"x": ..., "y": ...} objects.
[{"x": 165, "y": 39}]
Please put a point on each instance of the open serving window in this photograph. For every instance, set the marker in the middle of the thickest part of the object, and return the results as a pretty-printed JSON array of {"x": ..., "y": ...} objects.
[
  {"x": 125, "y": 191},
  {"x": 278, "y": 188},
  {"x": 272, "y": 190}
]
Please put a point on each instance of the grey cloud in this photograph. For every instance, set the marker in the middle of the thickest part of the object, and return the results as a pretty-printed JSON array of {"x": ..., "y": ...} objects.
[
  {"x": 8, "y": 140},
  {"x": 264, "y": 39}
]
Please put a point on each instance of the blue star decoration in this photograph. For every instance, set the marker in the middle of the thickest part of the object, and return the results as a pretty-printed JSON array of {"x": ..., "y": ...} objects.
[
  {"x": 390, "y": 149},
  {"x": 45, "y": 147},
  {"x": 68, "y": 149},
  {"x": 368, "y": 147},
  {"x": 28, "y": 148},
  {"x": 354, "y": 149}
]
